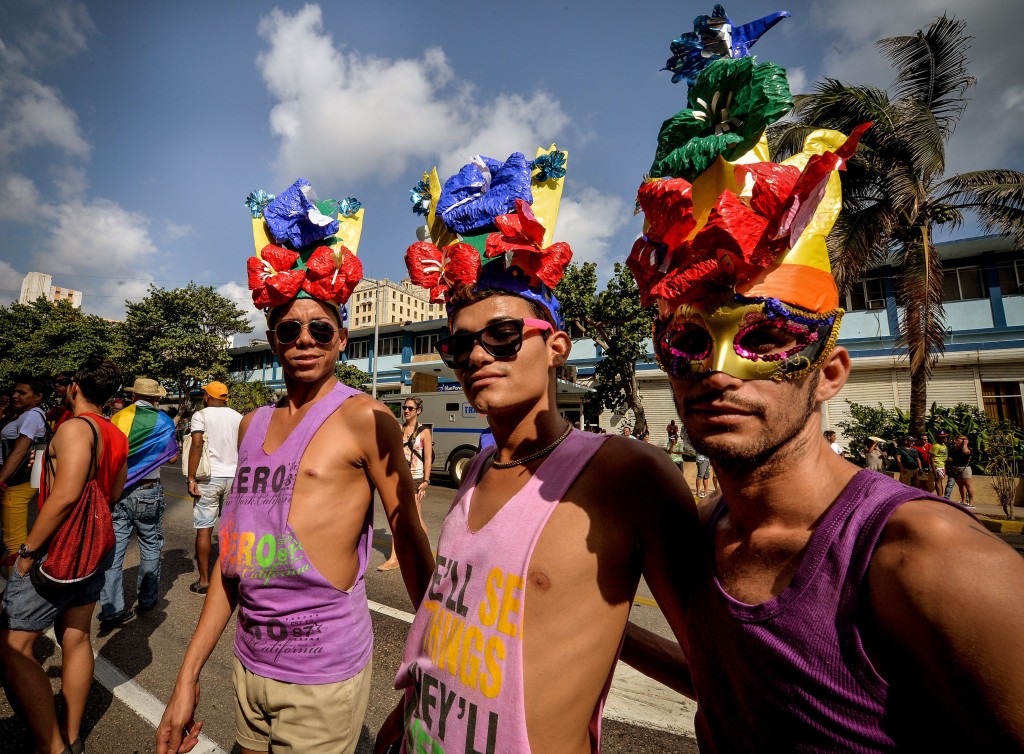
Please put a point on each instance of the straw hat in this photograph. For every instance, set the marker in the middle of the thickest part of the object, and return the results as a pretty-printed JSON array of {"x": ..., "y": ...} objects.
[{"x": 147, "y": 387}]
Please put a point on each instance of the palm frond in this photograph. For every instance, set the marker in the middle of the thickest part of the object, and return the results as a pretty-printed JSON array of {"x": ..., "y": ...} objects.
[
  {"x": 786, "y": 138},
  {"x": 933, "y": 68},
  {"x": 859, "y": 241},
  {"x": 836, "y": 105},
  {"x": 918, "y": 138},
  {"x": 995, "y": 196}
]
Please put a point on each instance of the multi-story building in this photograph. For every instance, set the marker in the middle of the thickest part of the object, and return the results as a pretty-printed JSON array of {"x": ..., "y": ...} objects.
[
  {"x": 983, "y": 363},
  {"x": 40, "y": 285},
  {"x": 393, "y": 302}
]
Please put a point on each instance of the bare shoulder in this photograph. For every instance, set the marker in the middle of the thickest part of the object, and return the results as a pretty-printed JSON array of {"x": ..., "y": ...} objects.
[
  {"x": 365, "y": 413},
  {"x": 932, "y": 556},
  {"x": 73, "y": 432}
]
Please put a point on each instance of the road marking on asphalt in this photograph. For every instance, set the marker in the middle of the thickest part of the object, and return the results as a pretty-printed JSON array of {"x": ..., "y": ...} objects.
[
  {"x": 137, "y": 699},
  {"x": 634, "y": 698}
]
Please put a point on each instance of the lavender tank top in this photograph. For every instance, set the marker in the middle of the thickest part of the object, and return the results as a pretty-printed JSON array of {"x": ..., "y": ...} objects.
[
  {"x": 293, "y": 624},
  {"x": 791, "y": 674},
  {"x": 463, "y": 665}
]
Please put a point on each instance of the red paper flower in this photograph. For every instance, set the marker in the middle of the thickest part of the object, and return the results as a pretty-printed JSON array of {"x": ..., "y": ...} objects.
[
  {"x": 521, "y": 234},
  {"x": 440, "y": 270},
  {"x": 332, "y": 276},
  {"x": 271, "y": 279}
]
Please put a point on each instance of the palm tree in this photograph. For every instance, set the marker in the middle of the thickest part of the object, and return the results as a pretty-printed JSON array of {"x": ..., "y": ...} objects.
[{"x": 895, "y": 191}]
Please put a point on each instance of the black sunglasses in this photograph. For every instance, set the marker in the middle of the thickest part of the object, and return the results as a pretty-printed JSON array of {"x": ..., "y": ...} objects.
[
  {"x": 408, "y": 408},
  {"x": 502, "y": 340},
  {"x": 320, "y": 330}
]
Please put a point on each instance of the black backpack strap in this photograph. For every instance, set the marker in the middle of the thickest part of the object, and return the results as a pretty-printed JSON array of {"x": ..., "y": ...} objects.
[
  {"x": 93, "y": 464},
  {"x": 410, "y": 443}
]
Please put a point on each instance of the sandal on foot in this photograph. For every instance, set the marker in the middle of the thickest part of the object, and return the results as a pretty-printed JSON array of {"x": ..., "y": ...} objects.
[
  {"x": 385, "y": 566},
  {"x": 196, "y": 588}
]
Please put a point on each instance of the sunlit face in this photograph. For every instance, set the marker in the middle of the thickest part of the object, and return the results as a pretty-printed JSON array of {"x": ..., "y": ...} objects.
[
  {"x": 750, "y": 339},
  {"x": 306, "y": 359},
  {"x": 492, "y": 384},
  {"x": 23, "y": 397}
]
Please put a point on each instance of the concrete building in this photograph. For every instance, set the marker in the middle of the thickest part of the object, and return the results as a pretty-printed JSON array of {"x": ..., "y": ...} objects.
[
  {"x": 983, "y": 364},
  {"x": 393, "y": 302},
  {"x": 40, "y": 285}
]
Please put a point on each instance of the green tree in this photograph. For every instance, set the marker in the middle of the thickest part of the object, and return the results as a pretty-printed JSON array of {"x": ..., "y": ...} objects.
[
  {"x": 618, "y": 324},
  {"x": 44, "y": 338},
  {"x": 352, "y": 376},
  {"x": 895, "y": 191},
  {"x": 179, "y": 337},
  {"x": 244, "y": 397}
]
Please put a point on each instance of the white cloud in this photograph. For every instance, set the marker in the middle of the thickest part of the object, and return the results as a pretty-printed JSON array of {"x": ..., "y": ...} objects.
[
  {"x": 342, "y": 115},
  {"x": 97, "y": 235},
  {"x": 797, "y": 78},
  {"x": 59, "y": 30},
  {"x": 177, "y": 230},
  {"x": 10, "y": 283},
  {"x": 242, "y": 297},
  {"x": 21, "y": 202},
  {"x": 34, "y": 116},
  {"x": 588, "y": 220}
]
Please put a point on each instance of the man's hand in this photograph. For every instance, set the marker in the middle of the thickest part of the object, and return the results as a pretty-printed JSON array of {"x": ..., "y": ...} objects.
[
  {"x": 390, "y": 734},
  {"x": 24, "y": 565},
  {"x": 193, "y": 489},
  {"x": 179, "y": 730}
]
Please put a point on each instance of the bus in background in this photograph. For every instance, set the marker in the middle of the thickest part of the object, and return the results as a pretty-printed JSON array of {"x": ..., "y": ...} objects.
[{"x": 455, "y": 426}]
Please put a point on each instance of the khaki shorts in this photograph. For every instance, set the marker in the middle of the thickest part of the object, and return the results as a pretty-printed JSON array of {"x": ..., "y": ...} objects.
[{"x": 289, "y": 717}]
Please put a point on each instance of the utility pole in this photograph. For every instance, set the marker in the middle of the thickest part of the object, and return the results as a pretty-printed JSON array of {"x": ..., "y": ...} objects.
[{"x": 376, "y": 332}]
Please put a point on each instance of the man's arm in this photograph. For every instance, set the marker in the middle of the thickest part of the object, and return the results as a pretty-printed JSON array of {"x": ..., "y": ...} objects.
[
  {"x": 179, "y": 730},
  {"x": 381, "y": 440},
  {"x": 13, "y": 461},
  {"x": 428, "y": 454},
  {"x": 946, "y": 596},
  {"x": 195, "y": 452}
]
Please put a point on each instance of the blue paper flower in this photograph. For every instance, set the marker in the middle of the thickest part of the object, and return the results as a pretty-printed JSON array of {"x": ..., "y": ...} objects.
[
  {"x": 714, "y": 37},
  {"x": 256, "y": 201},
  {"x": 550, "y": 166},
  {"x": 348, "y": 207},
  {"x": 482, "y": 190},
  {"x": 293, "y": 217},
  {"x": 419, "y": 195}
]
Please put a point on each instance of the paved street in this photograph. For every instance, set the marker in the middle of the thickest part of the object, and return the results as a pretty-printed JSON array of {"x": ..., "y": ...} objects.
[{"x": 137, "y": 663}]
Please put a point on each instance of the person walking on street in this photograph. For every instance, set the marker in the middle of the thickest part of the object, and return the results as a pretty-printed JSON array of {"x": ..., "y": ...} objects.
[
  {"x": 703, "y": 475},
  {"x": 89, "y": 448},
  {"x": 151, "y": 444},
  {"x": 296, "y": 531},
  {"x": 214, "y": 431},
  {"x": 940, "y": 457},
  {"x": 926, "y": 479},
  {"x": 909, "y": 462},
  {"x": 541, "y": 552},
  {"x": 19, "y": 436},
  {"x": 418, "y": 445},
  {"x": 959, "y": 469}
]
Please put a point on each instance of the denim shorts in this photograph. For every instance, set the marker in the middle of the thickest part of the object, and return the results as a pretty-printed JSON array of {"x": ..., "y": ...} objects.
[
  {"x": 211, "y": 497},
  {"x": 703, "y": 467},
  {"x": 25, "y": 608}
]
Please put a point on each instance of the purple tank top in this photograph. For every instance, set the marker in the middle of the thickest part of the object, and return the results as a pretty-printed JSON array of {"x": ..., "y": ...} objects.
[
  {"x": 791, "y": 674},
  {"x": 293, "y": 624},
  {"x": 463, "y": 665}
]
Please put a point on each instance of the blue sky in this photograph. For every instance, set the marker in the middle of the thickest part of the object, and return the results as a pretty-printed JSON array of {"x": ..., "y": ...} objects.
[{"x": 130, "y": 133}]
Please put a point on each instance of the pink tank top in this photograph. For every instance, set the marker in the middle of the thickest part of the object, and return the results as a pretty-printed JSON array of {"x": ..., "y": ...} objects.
[
  {"x": 463, "y": 665},
  {"x": 293, "y": 624}
]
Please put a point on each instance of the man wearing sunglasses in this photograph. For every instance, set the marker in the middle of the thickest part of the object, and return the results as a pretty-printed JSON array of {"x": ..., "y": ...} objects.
[
  {"x": 541, "y": 553},
  {"x": 296, "y": 529},
  {"x": 834, "y": 609}
]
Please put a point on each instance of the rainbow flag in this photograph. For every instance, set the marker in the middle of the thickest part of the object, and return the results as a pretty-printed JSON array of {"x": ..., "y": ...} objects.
[{"x": 151, "y": 439}]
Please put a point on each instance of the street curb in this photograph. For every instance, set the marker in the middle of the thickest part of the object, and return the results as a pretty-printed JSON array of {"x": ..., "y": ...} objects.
[{"x": 1000, "y": 526}]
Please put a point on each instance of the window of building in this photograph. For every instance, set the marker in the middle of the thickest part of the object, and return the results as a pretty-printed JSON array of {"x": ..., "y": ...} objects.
[
  {"x": 358, "y": 349},
  {"x": 866, "y": 294},
  {"x": 1011, "y": 277},
  {"x": 1003, "y": 401},
  {"x": 424, "y": 343},
  {"x": 963, "y": 284},
  {"x": 390, "y": 345}
]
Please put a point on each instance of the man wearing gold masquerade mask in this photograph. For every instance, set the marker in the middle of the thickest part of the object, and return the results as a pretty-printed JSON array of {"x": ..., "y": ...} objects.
[{"x": 834, "y": 609}]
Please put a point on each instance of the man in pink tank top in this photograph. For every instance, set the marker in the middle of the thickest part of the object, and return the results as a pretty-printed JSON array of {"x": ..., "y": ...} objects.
[
  {"x": 835, "y": 609},
  {"x": 296, "y": 530},
  {"x": 539, "y": 559}
]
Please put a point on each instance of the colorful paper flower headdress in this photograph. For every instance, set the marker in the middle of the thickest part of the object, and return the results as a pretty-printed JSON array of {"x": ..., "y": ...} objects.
[
  {"x": 305, "y": 247},
  {"x": 733, "y": 249},
  {"x": 491, "y": 225}
]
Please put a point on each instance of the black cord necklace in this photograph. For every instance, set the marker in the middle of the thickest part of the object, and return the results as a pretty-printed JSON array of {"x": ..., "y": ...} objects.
[{"x": 533, "y": 456}]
